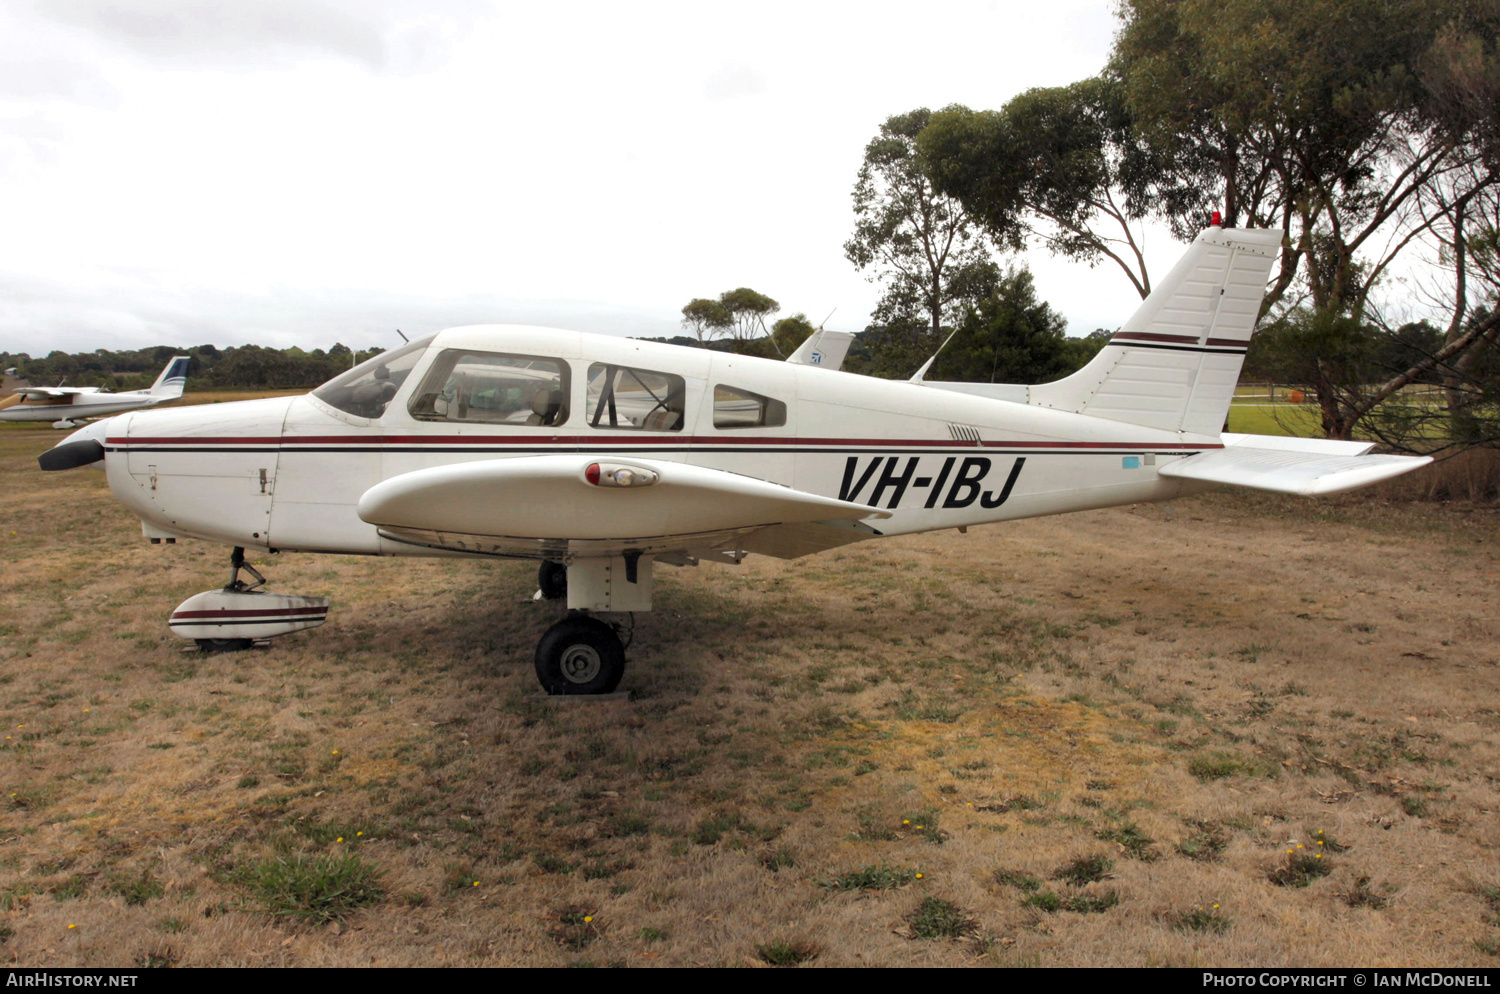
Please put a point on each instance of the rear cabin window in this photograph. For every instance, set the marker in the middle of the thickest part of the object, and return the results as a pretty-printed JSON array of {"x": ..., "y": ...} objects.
[
  {"x": 736, "y": 408},
  {"x": 365, "y": 390},
  {"x": 639, "y": 399},
  {"x": 493, "y": 388}
]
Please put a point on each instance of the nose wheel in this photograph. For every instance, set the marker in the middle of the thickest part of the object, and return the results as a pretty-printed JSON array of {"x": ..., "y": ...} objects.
[{"x": 580, "y": 655}]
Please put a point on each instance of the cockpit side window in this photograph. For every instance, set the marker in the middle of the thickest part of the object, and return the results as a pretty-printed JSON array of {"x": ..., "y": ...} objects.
[
  {"x": 737, "y": 408},
  {"x": 366, "y": 389},
  {"x": 639, "y": 399},
  {"x": 493, "y": 388}
]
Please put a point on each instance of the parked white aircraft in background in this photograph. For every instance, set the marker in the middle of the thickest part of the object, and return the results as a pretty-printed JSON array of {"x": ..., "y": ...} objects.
[
  {"x": 69, "y": 407},
  {"x": 601, "y": 456}
]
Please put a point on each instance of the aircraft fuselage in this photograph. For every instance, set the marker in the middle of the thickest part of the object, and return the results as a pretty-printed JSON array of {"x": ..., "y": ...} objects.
[{"x": 289, "y": 473}]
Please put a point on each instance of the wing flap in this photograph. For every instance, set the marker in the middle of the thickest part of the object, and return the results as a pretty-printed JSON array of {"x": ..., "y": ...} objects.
[
  {"x": 550, "y": 498},
  {"x": 792, "y": 541},
  {"x": 1289, "y": 471}
]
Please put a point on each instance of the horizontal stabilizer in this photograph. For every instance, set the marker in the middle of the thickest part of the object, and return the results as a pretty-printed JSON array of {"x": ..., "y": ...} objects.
[{"x": 1305, "y": 466}]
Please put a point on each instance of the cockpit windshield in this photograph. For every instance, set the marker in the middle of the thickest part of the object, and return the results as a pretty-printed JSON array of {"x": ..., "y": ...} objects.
[{"x": 366, "y": 389}]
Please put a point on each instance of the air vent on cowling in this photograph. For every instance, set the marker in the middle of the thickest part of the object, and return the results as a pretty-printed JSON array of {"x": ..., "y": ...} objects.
[{"x": 963, "y": 433}]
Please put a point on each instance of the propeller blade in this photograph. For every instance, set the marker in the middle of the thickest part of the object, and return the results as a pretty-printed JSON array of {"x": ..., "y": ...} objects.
[{"x": 71, "y": 455}]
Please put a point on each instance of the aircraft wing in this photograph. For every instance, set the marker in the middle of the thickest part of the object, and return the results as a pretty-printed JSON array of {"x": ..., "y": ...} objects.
[
  {"x": 1304, "y": 466},
  {"x": 44, "y": 392},
  {"x": 557, "y": 506}
]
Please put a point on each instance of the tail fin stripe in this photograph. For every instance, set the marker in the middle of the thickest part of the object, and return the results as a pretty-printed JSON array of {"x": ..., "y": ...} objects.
[{"x": 1146, "y": 336}]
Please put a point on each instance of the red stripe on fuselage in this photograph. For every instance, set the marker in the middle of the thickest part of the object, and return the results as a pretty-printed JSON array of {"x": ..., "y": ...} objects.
[{"x": 646, "y": 440}]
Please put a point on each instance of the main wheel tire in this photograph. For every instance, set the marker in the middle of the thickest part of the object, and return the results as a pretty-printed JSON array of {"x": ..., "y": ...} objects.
[
  {"x": 552, "y": 579},
  {"x": 580, "y": 656}
]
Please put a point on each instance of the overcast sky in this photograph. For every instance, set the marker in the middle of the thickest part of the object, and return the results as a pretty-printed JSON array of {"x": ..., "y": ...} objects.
[{"x": 310, "y": 171}]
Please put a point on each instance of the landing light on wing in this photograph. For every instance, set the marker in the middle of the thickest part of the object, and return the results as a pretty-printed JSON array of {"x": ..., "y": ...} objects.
[{"x": 612, "y": 475}]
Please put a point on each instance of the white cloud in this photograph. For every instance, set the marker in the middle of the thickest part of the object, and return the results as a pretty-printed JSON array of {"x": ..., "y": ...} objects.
[{"x": 299, "y": 171}]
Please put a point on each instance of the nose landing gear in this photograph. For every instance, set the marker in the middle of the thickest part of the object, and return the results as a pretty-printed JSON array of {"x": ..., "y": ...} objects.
[{"x": 237, "y": 615}]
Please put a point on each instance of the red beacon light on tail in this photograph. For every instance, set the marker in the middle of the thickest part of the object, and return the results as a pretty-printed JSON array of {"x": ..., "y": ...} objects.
[{"x": 1216, "y": 220}]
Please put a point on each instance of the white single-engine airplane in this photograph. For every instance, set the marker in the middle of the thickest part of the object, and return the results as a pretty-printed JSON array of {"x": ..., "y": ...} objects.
[
  {"x": 69, "y": 407},
  {"x": 601, "y": 456}
]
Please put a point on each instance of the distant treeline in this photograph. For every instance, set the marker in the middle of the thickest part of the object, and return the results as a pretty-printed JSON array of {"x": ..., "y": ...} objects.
[
  {"x": 212, "y": 368},
  {"x": 1029, "y": 355}
]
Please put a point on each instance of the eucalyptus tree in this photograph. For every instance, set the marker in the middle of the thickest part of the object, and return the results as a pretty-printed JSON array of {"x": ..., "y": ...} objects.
[
  {"x": 1331, "y": 120},
  {"x": 924, "y": 247},
  {"x": 705, "y": 318}
]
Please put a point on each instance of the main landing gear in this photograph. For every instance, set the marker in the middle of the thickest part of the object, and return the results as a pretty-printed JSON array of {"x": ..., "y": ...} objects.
[{"x": 582, "y": 654}]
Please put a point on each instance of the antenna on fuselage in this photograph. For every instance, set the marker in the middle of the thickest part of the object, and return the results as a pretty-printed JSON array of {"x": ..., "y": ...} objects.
[
  {"x": 917, "y": 376},
  {"x": 762, "y": 322},
  {"x": 403, "y": 337}
]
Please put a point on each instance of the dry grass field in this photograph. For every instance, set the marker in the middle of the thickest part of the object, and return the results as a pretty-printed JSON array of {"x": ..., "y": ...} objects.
[{"x": 1233, "y": 730}]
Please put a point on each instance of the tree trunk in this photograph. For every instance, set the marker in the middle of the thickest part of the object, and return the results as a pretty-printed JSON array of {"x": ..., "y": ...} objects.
[{"x": 1337, "y": 424}]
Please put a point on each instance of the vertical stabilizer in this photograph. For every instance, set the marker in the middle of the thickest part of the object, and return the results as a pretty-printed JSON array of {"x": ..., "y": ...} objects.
[
  {"x": 1175, "y": 363},
  {"x": 169, "y": 384}
]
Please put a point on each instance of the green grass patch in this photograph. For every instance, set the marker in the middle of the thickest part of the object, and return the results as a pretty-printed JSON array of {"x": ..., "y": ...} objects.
[
  {"x": 320, "y": 888},
  {"x": 1084, "y": 870},
  {"x": 779, "y": 859},
  {"x": 1200, "y": 920},
  {"x": 136, "y": 890},
  {"x": 784, "y": 953},
  {"x": 935, "y": 918},
  {"x": 1300, "y": 869},
  {"x": 880, "y": 877},
  {"x": 1213, "y": 766},
  {"x": 1133, "y": 843},
  {"x": 1205, "y": 845}
]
